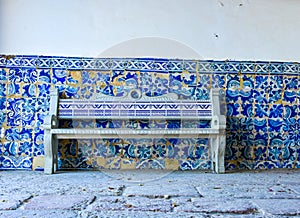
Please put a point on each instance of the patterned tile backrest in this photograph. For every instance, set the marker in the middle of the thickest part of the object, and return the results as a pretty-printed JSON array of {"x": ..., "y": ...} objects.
[{"x": 135, "y": 105}]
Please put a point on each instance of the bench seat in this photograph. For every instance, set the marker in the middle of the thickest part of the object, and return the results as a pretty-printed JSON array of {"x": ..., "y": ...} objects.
[{"x": 63, "y": 133}]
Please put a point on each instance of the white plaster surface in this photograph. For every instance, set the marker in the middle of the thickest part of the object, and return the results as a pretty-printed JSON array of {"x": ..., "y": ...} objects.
[{"x": 202, "y": 29}]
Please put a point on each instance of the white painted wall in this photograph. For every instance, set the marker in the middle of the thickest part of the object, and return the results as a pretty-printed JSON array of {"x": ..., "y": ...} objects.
[{"x": 207, "y": 29}]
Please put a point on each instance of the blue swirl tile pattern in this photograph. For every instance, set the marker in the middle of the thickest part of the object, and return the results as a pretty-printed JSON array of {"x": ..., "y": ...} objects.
[{"x": 261, "y": 102}]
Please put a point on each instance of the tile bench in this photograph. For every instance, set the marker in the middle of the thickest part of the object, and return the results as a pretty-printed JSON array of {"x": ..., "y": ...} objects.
[{"x": 135, "y": 106}]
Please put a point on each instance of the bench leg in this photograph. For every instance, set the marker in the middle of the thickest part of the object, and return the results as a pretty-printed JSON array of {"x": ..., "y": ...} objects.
[
  {"x": 212, "y": 150},
  {"x": 55, "y": 153},
  {"x": 49, "y": 153},
  {"x": 221, "y": 154},
  {"x": 218, "y": 153}
]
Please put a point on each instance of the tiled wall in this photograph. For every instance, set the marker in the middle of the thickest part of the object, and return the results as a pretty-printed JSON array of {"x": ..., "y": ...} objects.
[{"x": 261, "y": 101}]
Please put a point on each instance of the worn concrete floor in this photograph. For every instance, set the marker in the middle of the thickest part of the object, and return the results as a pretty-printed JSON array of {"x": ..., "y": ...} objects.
[{"x": 150, "y": 193}]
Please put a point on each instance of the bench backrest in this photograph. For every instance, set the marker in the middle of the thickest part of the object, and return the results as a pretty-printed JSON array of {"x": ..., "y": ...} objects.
[{"x": 136, "y": 106}]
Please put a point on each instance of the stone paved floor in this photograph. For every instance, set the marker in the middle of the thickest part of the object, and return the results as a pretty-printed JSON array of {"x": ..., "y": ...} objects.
[{"x": 274, "y": 193}]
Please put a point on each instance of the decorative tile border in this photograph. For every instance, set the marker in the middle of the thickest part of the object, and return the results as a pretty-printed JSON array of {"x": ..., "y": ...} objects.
[{"x": 149, "y": 64}]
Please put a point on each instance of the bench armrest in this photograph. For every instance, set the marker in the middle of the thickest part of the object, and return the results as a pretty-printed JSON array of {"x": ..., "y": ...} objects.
[
  {"x": 51, "y": 122},
  {"x": 218, "y": 122}
]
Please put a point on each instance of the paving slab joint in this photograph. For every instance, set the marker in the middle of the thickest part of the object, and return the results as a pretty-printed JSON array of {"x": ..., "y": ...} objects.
[
  {"x": 89, "y": 202},
  {"x": 26, "y": 200}
]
